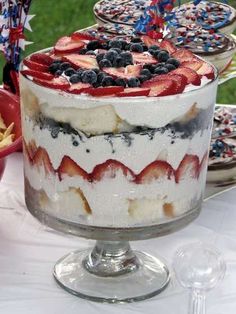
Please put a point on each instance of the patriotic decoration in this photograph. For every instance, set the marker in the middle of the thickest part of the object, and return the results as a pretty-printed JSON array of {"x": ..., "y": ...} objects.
[{"x": 14, "y": 18}]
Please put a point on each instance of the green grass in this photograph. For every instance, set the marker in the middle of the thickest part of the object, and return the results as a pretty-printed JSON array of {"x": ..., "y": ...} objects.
[{"x": 56, "y": 18}]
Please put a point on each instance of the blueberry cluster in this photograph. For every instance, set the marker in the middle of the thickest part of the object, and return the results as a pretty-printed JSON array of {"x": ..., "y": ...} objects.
[{"x": 116, "y": 53}]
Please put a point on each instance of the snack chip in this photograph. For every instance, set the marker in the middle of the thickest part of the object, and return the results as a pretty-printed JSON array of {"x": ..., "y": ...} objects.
[{"x": 6, "y": 136}]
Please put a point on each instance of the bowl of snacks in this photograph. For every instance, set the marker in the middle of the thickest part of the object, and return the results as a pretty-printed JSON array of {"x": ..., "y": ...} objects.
[{"x": 10, "y": 127}]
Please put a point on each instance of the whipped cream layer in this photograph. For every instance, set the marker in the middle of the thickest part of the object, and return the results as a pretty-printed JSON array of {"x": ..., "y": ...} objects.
[
  {"x": 135, "y": 151},
  {"x": 149, "y": 112}
]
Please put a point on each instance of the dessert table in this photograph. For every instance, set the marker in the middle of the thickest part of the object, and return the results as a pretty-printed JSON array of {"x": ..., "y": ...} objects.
[{"x": 28, "y": 252}]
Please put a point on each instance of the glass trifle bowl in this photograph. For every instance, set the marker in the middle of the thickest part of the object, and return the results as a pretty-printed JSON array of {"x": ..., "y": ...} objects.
[{"x": 115, "y": 169}]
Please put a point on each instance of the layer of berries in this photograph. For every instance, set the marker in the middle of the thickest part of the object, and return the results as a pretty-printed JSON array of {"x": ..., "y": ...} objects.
[
  {"x": 189, "y": 167},
  {"x": 139, "y": 66}
]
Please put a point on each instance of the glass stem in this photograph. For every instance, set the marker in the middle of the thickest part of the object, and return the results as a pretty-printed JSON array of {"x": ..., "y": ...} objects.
[
  {"x": 197, "y": 304},
  {"x": 111, "y": 258}
]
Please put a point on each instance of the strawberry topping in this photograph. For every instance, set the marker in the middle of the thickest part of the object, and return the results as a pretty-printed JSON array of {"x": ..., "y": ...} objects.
[
  {"x": 138, "y": 91},
  {"x": 70, "y": 168},
  {"x": 38, "y": 74},
  {"x": 56, "y": 83},
  {"x": 155, "y": 171},
  {"x": 188, "y": 168},
  {"x": 168, "y": 46},
  {"x": 41, "y": 58},
  {"x": 191, "y": 75},
  {"x": 82, "y": 61},
  {"x": 126, "y": 73},
  {"x": 35, "y": 66},
  {"x": 161, "y": 87},
  {"x": 67, "y": 44},
  {"x": 110, "y": 169}
]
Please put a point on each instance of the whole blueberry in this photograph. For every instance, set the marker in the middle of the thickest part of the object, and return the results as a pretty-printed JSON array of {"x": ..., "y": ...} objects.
[
  {"x": 124, "y": 43},
  {"x": 170, "y": 67},
  {"x": 119, "y": 62},
  {"x": 127, "y": 47},
  {"x": 89, "y": 76},
  {"x": 133, "y": 82},
  {"x": 161, "y": 70},
  {"x": 104, "y": 63},
  {"x": 90, "y": 52},
  {"x": 120, "y": 82},
  {"x": 64, "y": 66},
  {"x": 163, "y": 56},
  {"x": 58, "y": 73},
  {"x": 69, "y": 71},
  {"x": 173, "y": 61},
  {"x": 104, "y": 45},
  {"x": 75, "y": 78},
  {"x": 154, "y": 47},
  {"x": 93, "y": 45},
  {"x": 79, "y": 72},
  {"x": 99, "y": 57},
  {"x": 127, "y": 57},
  {"x": 145, "y": 48},
  {"x": 111, "y": 55},
  {"x": 115, "y": 44},
  {"x": 136, "y": 40},
  {"x": 118, "y": 50},
  {"x": 143, "y": 78},
  {"x": 83, "y": 51},
  {"x": 108, "y": 81},
  {"x": 136, "y": 48},
  {"x": 100, "y": 77},
  {"x": 54, "y": 67},
  {"x": 146, "y": 72},
  {"x": 96, "y": 70},
  {"x": 148, "y": 66}
]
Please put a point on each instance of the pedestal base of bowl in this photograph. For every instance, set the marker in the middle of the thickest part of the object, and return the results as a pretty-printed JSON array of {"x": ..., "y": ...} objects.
[{"x": 112, "y": 273}]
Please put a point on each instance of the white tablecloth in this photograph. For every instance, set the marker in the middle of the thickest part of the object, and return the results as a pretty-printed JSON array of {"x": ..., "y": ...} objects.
[{"x": 29, "y": 250}]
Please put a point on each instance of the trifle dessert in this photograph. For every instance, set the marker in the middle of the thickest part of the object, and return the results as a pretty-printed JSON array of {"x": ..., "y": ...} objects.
[
  {"x": 216, "y": 48},
  {"x": 211, "y": 15},
  {"x": 116, "y": 132}
]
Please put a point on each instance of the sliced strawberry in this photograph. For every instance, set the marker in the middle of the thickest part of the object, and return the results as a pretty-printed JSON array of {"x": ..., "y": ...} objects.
[
  {"x": 183, "y": 55},
  {"x": 125, "y": 73},
  {"x": 78, "y": 88},
  {"x": 30, "y": 149},
  {"x": 82, "y": 61},
  {"x": 37, "y": 74},
  {"x": 206, "y": 70},
  {"x": 105, "y": 91},
  {"x": 194, "y": 64},
  {"x": 82, "y": 36},
  {"x": 55, "y": 83},
  {"x": 156, "y": 170},
  {"x": 35, "y": 66},
  {"x": 161, "y": 87},
  {"x": 204, "y": 162},
  {"x": 41, "y": 58},
  {"x": 138, "y": 91},
  {"x": 70, "y": 168},
  {"x": 191, "y": 75},
  {"x": 167, "y": 45},
  {"x": 141, "y": 58},
  {"x": 148, "y": 41},
  {"x": 110, "y": 169},
  {"x": 188, "y": 168},
  {"x": 67, "y": 44},
  {"x": 41, "y": 158},
  {"x": 181, "y": 80}
]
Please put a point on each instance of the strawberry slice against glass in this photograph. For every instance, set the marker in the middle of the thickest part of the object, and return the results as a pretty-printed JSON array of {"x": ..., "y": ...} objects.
[{"x": 155, "y": 171}]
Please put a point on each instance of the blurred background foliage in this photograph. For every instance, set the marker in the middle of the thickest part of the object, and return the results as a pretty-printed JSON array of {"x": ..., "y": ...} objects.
[{"x": 56, "y": 18}]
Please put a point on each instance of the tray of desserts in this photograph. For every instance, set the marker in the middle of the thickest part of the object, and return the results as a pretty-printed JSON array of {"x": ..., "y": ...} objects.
[{"x": 221, "y": 173}]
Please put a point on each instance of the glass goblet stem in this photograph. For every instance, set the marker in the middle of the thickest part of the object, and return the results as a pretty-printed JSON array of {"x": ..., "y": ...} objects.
[{"x": 111, "y": 258}]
